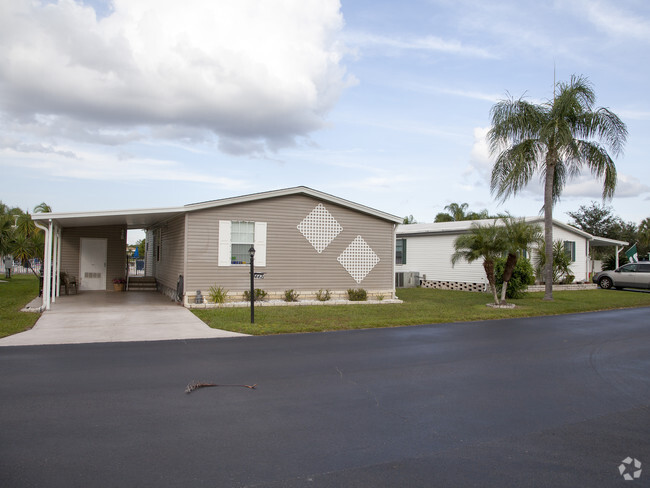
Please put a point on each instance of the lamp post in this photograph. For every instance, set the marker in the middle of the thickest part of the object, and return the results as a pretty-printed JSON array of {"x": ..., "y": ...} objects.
[{"x": 251, "y": 252}]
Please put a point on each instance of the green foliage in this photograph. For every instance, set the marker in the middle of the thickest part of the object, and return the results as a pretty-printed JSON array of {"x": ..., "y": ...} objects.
[
  {"x": 259, "y": 295},
  {"x": 409, "y": 220},
  {"x": 609, "y": 263},
  {"x": 218, "y": 294},
  {"x": 561, "y": 263},
  {"x": 523, "y": 275},
  {"x": 456, "y": 212},
  {"x": 357, "y": 295},
  {"x": 291, "y": 296},
  {"x": 19, "y": 236},
  {"x": 323, "y": 296}
]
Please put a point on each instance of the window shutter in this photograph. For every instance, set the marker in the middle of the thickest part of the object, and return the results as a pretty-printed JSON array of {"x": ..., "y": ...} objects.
[
  {"x": 224, "y": 243},
  {"x": 403, "y": 251},
  {"x": 260, "y": 243}
]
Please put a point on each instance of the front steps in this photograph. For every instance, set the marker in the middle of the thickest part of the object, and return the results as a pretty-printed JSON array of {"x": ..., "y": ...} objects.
[{"x": 142, "y": 283}]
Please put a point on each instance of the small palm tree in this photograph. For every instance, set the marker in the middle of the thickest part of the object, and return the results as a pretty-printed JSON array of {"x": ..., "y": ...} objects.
[
  {"x": 42, "y": 208},
  {"x": 481, "y": 242},
  {"x": 519, "y": 235},
  {"x": 556, "y": 139}
]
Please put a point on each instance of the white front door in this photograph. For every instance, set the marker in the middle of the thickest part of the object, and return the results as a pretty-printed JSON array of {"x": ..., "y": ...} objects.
[{"x": 93, "y": 264}]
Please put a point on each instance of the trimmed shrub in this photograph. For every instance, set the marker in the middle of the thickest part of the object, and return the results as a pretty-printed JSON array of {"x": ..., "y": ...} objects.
[
  {"x": 259, "y": 295},
  {"x": 290, "y": 296},
  {"x": 358, "y": 295},
  {"x": 323, "y": 296},
  {"x": 522, "y": 276}
]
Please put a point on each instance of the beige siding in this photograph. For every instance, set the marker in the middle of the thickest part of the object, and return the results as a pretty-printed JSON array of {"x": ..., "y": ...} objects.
[
  {"x": 116, "y": 250},
  {"x": 172, "y": 251},
  {"x": 291, "y": 261}
]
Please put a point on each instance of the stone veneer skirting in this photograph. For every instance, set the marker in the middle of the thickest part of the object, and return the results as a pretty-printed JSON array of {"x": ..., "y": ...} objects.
[
  {"x": 453, "y": 285},
  {"x": 573, "y": 286}
]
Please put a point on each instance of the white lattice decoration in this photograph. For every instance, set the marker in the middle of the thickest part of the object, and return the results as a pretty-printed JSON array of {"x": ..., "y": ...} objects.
[
  {"x": 319, "y": 228},
  {"x": 358, "y": 259}
]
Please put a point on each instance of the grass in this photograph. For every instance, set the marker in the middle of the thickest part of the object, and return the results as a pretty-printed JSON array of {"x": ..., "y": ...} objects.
[
  {"x": 421, "y": 306},
  {"x": 17, "y": 292}
]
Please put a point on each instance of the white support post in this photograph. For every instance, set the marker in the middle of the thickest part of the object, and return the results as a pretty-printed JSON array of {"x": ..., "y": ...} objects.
[
  {"x": 57, "y": 263},
  {"x": 53, "y": 267},
  {"x": 46, "y": 262},
  {"x": 618, "y": 249}
]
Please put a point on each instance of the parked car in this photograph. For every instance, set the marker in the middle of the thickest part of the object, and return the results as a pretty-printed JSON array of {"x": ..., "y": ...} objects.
[{"x": 632, "y": 275}]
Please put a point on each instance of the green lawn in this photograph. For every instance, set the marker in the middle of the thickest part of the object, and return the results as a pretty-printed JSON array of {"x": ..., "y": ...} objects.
[
  {"x": 421, "y": 306},
  {"x": 17, "y": 292}
]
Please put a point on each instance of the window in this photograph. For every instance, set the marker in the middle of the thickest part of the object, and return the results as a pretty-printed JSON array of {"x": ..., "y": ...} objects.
[
  {"x": 242, "y": 237},
  {"x": 643, "y": 268},
  {"x": 570, "y": 250},
  {"x": 400, "y": 251},
  {"x": 235, "y": 239}
]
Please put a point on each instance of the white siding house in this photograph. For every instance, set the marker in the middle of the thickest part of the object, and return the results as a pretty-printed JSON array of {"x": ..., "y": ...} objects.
[{"x": 427, "y": 250}]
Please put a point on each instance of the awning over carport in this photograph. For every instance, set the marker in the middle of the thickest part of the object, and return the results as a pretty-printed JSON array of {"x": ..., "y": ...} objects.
[{"x": 605, "y": 242}]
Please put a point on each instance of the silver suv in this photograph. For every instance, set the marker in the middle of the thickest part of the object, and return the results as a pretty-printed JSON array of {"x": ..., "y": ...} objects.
[{"x": 633, "y": 275}]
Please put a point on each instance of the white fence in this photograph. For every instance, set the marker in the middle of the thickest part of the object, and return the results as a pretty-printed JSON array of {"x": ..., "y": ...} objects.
[{"x": 19, "y": 269}]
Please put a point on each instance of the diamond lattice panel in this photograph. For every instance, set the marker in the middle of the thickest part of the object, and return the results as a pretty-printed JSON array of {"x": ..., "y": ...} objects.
[
  {"x": 358, "y": 259},
  {"x": 319, "y": 228}
]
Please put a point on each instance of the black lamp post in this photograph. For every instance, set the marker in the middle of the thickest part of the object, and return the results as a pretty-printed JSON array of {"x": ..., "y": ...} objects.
[{"x": 251, "y": 251}]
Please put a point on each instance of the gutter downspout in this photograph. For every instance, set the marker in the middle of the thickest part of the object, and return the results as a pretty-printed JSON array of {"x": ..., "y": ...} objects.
[
  {"x": 46, "y": 266},
  {"x": 618, "y": 250}
]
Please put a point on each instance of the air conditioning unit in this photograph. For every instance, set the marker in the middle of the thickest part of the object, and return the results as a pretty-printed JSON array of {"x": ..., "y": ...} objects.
[{"x": 407, "y": 279}]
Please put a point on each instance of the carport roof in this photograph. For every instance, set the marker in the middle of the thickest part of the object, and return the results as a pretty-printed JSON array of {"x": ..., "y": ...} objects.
[{"x": 144, "y": 218}]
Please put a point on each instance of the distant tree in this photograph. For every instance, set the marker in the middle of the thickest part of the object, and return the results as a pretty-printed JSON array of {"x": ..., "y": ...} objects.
[
  {"x": 643, "y": 235},
  {"x": 409, "y": 220},
  {"x": 19, "y": 236},
  {"x": 481, "y": 242},
  {"x": 597, "y": 220},
  {"x": 459, "y": 211},
  {"x": 140, "y": 243},
  {"x": 556, "y": 140},
  {"x": 42, "y": 208}
]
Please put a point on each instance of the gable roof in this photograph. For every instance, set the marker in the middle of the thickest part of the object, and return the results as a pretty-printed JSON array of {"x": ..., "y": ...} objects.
[
  {"x": 462, "y": 226},
  {"x": 148, "y": 217}
]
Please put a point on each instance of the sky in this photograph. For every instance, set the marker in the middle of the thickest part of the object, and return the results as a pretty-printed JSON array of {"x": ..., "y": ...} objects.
[{"x": 122, "y": 104}]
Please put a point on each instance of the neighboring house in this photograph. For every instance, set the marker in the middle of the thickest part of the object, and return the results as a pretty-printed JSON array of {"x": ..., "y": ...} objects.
[
  {"x": 304, "y": 240},
  {"x": 427, "y": 249}
]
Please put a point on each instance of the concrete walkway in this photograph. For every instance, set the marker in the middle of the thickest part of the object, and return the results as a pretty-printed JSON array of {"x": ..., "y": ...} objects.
[{"x": 114, "y": 317}]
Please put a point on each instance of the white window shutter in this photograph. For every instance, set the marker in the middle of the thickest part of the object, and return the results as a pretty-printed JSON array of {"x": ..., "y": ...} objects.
[
  {"x": 224, "y": 243},
  {"x": 260, "y": 243}
]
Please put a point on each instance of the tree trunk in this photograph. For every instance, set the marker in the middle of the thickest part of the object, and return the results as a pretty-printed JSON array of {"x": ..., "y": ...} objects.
[
  {"x": 548, "y": 226},
  {"x": 508, "y": 269},
  {"x": 488, "y": 266}
]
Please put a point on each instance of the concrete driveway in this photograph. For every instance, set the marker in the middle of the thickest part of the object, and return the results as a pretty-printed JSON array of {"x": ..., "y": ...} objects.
[{"x": 114, "y": 317}]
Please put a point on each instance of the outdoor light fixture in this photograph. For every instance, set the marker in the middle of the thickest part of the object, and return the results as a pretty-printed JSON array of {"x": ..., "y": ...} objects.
[{"x": 251, "y": 252}]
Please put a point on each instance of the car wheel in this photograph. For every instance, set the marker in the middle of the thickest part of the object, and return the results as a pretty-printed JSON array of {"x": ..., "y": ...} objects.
[{"x": 605, "y": 283}]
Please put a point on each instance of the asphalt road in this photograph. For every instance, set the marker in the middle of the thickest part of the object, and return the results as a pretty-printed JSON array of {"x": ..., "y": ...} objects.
[{"x": 554, "y": 401}]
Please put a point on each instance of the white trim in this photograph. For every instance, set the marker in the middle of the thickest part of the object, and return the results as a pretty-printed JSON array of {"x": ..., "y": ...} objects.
[
  {"x": 260, "y": 244},
  {"x": 223, "y": 258}
]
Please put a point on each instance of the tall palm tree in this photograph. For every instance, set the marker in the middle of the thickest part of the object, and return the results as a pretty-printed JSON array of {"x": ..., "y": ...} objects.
[
  {"x": 556, "y": 139},
  {"x": 481, "y": 242},
  {"x": 42, "y": 208},
  {"x": 519, "y": 235}
]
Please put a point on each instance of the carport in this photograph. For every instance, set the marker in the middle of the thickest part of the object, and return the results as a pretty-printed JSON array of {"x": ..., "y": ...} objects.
[
  {"x": 108, "y": 225},
  {"x": 104, "y": 316}
]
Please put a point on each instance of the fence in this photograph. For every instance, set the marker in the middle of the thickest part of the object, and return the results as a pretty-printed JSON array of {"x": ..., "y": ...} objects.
[{"x": 20, "y": 269}]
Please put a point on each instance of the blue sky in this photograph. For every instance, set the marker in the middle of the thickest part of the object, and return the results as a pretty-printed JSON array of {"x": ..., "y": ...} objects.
[{"x": 122, "y": 104}]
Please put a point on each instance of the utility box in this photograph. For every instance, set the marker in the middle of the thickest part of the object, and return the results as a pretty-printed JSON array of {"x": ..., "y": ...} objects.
[{"x": 407, "y": 279}]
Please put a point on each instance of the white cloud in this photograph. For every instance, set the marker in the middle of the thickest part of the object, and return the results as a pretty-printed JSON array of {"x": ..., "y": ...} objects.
[
  {"x": 609, "y": 17},
  {"x": 480, "y": 164},
  {"x": 255, "y": 73},
  {"x": 426, "y": 43},
  {"x": 588, "y": 186}
]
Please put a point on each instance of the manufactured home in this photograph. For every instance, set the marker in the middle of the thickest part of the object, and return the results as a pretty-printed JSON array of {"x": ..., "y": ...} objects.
[
  {"x": 304, "y": 240},
  {"x": 424, "y": 251}
]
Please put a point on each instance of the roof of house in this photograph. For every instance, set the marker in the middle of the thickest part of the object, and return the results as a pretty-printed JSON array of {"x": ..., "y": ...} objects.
[
  {"x": 148, "y": 217},
  {"x": 462, "y": 226}
]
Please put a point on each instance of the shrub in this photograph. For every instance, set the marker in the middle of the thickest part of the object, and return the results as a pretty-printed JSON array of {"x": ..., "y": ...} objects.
[
  {"x": 358, "y": 295},
  {"x": 291, "y": 296},
  {"x": 522, "y": 276},
  {"x": 323, "y": 296},
  {"x": 609, "y": 263},
  {"x": 259, "y": 295},
  {"x": 380, "y": 297},
  {"x": 217, "y": 294}
]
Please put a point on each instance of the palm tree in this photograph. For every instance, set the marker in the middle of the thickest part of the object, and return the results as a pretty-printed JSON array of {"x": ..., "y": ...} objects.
[
  {"x": 42, "y": 208},
  {"x": 556, "y": 139},
  {"x": 518, "y": 237},
  {"x": 481, "y": 242}
]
